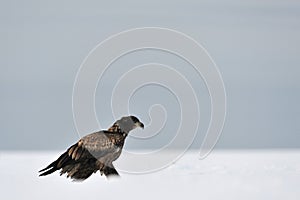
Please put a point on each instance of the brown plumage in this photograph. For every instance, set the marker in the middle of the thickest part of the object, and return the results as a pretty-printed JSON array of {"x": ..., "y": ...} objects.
[{"x": 94, "y": 152}]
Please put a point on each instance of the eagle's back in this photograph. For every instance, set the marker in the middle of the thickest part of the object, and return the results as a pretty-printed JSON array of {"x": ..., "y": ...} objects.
[{"x": 91, "y": 153}]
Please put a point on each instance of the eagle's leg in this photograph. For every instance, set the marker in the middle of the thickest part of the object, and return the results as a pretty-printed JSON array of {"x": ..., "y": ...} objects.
[{"x": 110, "y": 171}]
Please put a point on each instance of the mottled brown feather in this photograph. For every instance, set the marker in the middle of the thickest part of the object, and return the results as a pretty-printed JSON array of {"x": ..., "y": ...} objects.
[{"x": 91, "y": 153}]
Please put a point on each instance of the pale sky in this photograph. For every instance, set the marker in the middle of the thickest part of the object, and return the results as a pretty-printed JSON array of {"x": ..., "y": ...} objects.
[{"x": 255, "y": 44}]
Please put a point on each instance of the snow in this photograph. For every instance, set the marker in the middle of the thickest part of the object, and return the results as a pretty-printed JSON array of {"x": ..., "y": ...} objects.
[{"x": 240, "y": 174}]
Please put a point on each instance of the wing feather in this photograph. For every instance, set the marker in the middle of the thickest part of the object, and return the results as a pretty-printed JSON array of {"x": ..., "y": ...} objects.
[{"x": 91, "y": 153}]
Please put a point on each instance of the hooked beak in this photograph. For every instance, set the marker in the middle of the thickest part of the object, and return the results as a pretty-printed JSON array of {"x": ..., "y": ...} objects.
[{"x": 140, "y": 124}]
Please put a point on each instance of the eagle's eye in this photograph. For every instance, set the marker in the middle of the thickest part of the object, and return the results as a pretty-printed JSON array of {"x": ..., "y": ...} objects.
[{"x": 134, "y": 119}]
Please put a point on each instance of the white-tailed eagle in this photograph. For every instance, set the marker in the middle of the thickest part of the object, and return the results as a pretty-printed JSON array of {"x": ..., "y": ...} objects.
[{"x": 94, "y": 152}]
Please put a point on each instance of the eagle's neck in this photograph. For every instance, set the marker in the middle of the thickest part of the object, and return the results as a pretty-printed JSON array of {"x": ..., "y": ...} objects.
[{"x": 115, "y": 128}]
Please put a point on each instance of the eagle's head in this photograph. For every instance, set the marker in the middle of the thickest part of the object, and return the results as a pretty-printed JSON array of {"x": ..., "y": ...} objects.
[{"x": 128, "y": 123}]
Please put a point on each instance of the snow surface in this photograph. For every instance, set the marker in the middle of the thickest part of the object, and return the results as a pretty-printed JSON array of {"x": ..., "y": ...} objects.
[{"x": 255, "y": 174}]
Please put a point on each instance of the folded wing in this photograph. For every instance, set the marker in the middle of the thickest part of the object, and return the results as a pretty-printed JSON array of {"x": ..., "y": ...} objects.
[{"x": 93, "y": 152}]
